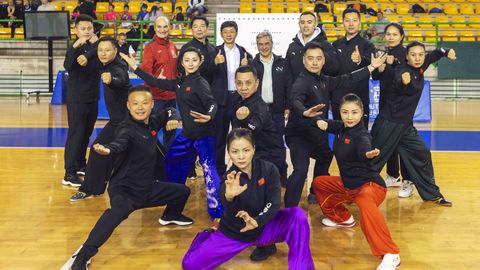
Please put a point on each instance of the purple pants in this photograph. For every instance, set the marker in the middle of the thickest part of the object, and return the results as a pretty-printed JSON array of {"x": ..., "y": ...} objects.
[{"x": 290, "y": 225}]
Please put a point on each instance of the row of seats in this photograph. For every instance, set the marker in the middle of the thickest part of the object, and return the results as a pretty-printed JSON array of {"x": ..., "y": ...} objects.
[
  {"x": 102, "y": 7},
  {"x": 401, "y": 9},
  {"x": 374, "y": 1},
  {"x": 420, "y": 35}
]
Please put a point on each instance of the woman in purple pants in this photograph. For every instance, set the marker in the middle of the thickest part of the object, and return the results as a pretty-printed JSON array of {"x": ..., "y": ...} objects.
[{"x": 252, "y": 217}]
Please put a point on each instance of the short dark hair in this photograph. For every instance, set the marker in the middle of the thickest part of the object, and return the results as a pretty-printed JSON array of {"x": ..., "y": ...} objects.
[
  {"x": 179, "y": 8},
  {"x": 111, "y": 5},
  {"x": 247, "y": 69},
  {"x": 144, "y": 6},
  {"x": 83, "y": 18},
  {"x": 414, "y": 44},
  {"x": 198, "y": 17},
  {"x": 350, "y": 10},
  {"x": 352, "y": 98},
  {"x": 228, "y": 24},
  {"x": 126, "y": 6},
  {"x": 123, "y": 34},
  {"x": 108, "y": 39},
  {"x": 139, "y": 88},
  {"x": 312, "y": 45},
  {"x": 308, "y": 13},
  {"x": 239, "y": 133},
  {"x": 399, "y": 27}
]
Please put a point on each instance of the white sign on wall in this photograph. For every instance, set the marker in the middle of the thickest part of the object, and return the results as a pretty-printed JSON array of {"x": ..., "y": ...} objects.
[{"x": 283, "y": 28}]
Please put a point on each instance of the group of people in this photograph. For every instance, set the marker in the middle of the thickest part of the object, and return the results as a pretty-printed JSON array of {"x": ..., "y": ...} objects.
[{"x": 218, "y": 87}]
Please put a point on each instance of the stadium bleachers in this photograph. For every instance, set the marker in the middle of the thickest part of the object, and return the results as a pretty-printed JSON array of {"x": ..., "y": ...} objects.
[{"x": 460, "y": 20}]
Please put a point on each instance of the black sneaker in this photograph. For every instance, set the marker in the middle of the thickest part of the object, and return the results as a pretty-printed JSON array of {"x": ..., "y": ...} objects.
[
  {"x": 262, "y": 253},
  {"x": 81, "y": 172},
  {"x": 80, "y": 196},
  {"x": 443, "y": 202},
  {"x": 180, "y": 220},
  {"x": 80, "y": 263},
  {"x": 71, "y": 180}
]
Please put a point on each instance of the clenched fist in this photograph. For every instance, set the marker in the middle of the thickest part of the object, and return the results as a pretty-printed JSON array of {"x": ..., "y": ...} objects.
[
  {"x": 106, "y": 77},
  {"x": 242, "y": 113}
]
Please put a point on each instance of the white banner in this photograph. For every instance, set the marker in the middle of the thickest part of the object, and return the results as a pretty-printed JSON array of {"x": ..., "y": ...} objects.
[{"x": 283, "y": 28}]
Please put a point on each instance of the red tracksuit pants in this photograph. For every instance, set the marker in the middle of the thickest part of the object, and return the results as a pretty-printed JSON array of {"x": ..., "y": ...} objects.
[{"x": 331, "y": 194}]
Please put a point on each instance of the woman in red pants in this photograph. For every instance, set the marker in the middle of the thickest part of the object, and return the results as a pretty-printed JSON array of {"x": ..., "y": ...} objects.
[{"x": 359, "y": 182}]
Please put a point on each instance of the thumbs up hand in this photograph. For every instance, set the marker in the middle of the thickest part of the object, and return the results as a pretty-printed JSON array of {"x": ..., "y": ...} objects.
[
  {"x": 406, "y": 79},
  {"x": 219, "y": 58},
  {"x": 161, "y": 76},
  {"x": 452, "y": 55},
  {"x": 244, "y": 61},
  {"x": 356, "y": 56}
]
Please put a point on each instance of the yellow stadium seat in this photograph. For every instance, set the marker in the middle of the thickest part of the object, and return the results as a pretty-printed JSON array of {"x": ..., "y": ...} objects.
[
  {"x": 5, "y": 32},
  {"x": 459, "y": 19},
  {"x": 443, "y": 1},
  {"x": 276, "y": 1},
  {"x": 122, "y": 30},
  {"x": 331, "y": 34},
  {"x": 425, "y": 21},
  {"x": 167, "y": 8},
  {"x": 248, "y": 1},
  {"x": 409, "y": 21},
  {"x": 383, "y": 1},
  {"x": 327, "y": 20},
  {"x": 338, "y": 8},
  {"x": 412, "y": 1},
  {"x": 277, "y": 8},
  {"x": 474, "y": 19},
  {"x": 368, "y": 1},
  {"x": 393, "y": 18},
  {"x": 458, "y": 1},
  {"x": 397, "y": 1},
  {"x": 107, "y": 32},
  {"x": 246, "y": 8},
  {"x": 449, "y": 35},
  {"x": 415, "y": 35},
  {"x": 466, "y": 9},
  {"x": 294, "y": 1},
  {"x": 265, "y": 1},
  {"x": 293, "y": 8},
  {"x": 477, "y": 8},
  {"x": 467, "y": 35},
  {"x": 403, "y": 9},
  {"x": 443, "y": 20},
  {"x": 431, "y": 36},
  {"x": 118, "y": 7},
  {"x": 175, "y": 32},
  {"x": 428, "y": 1},
  {"x": 57, "y": 5},
  {"x": 308, "y": 7},
  {"x": 385, "y": 6},
  {"x": 261, "y": 8},
  {"x": 188, "y": 33},
  {"x": 70, "y": 6},
  {"x": 450, "y": 9},
  {"x": 102, "y": 7},
  {"x": 134, "y": 8},
  {"x": 19, "y": 33}
]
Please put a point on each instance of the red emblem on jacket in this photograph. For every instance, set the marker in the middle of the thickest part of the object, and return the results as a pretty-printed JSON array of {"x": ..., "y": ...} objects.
[
  {"x": 347, "y": 141},
  {"x": 154, "y": 133},
  {"x": 188, "y": 89},
  {"x": 261, "y": 182}
]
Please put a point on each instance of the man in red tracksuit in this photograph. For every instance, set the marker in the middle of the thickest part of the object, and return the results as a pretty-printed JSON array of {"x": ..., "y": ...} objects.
[{"x": 160, "y": 56}]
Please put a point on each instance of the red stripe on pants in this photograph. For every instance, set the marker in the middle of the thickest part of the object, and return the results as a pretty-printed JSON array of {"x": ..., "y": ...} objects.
[{"x": 331, "y": 194}]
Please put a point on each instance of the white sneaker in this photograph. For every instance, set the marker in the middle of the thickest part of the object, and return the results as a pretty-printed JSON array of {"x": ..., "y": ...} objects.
[
  {"x": 389, "y": 262},
  {"x": 391, "y": 181},
  {"x": 407, "y": 189},
  {"x": 346, "y": 224}
]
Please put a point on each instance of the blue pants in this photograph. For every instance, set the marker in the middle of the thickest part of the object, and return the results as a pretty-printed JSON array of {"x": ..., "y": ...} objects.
[{"x": 180, "y": 158}]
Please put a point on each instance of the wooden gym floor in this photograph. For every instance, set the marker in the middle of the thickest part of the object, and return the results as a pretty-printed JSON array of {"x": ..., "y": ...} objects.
[{"x": 40, "y": 228}]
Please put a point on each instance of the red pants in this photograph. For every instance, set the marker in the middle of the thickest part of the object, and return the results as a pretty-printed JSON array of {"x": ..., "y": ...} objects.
[{"x": 331, "y": 194}]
